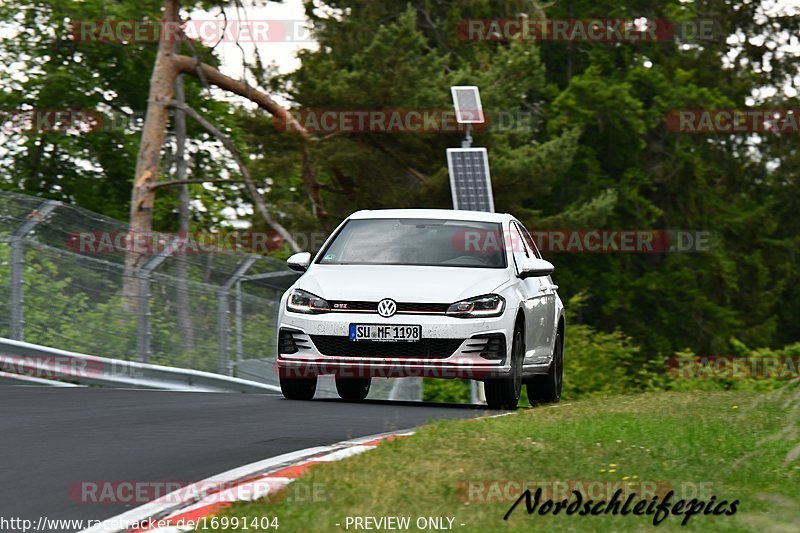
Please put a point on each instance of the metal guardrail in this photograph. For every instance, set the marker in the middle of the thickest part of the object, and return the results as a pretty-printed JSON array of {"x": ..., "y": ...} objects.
[
  {"x": 191, "y": 306},
  {"x": 42, "y": 362}
]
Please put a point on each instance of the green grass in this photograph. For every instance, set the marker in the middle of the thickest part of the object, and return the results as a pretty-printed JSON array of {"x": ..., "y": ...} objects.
[{"x": 730, "y": 444}]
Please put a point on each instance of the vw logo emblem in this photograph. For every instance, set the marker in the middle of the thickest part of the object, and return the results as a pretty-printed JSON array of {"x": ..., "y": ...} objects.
[{"x": 387, "y": 308}]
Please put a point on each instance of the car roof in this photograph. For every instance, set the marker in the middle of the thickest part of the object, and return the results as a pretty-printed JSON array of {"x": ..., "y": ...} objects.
[{"x": 451, "y": 214}]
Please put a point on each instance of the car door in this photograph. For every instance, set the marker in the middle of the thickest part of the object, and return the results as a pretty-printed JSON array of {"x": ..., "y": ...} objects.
[
  {"x": 548, "y": 292},
  {"x": 534, "y": 296}
]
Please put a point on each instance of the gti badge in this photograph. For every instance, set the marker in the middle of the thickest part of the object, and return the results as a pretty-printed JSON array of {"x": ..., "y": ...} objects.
[{"x": 387, "y": 308}]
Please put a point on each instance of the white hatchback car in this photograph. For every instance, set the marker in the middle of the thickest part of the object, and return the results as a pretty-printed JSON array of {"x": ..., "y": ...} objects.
[{"x": 424, "y": 292}]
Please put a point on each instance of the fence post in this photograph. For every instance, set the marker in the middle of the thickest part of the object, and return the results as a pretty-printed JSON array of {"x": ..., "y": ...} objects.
[
  {"x": 238, "y": 317},
  {"x": 143, "y": 308},
  {"x": 143, "y": 312},
  {"x": 223, "y": 309},
  {"x": 17, "y": 268},
  {"x": 17, "y": 259}
]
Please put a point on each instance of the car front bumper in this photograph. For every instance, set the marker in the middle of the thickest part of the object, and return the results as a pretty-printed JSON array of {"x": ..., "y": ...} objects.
[{"x": 320, "y": 345}]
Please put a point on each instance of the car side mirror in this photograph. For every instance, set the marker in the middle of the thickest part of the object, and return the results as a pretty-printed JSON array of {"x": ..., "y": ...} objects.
[
  {"x": 299, "y": 262},
  {"x": 534, "y": 268}
]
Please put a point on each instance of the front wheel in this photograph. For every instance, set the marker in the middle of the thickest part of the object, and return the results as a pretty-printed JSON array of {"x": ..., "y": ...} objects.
[
  {"x": 298, "y": 388},
  {"x": 546, "y": 388},
  {"x": 503, "y": 393},
  {"x": 354, "y": 389}
]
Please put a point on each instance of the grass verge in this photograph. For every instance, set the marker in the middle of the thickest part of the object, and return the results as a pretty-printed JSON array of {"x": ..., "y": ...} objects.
[{"x": 731, "y": 445}]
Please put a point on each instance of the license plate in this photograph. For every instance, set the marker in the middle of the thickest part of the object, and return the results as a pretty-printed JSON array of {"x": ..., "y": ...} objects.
[{"x": 382, "y": 332}]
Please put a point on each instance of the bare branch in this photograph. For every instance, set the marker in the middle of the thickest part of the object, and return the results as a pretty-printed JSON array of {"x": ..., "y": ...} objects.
[
  {"x": 186, "y": 182},
  {"x": 188, "y": 65},
  {"x": 258, "y": 201},
  {"x": 391, "y": 153}
]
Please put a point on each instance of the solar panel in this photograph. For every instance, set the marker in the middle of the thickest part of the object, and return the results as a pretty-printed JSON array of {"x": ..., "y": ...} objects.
[
  {"x": 470, "y": 182},
  {"x": 467, "y": 101}
]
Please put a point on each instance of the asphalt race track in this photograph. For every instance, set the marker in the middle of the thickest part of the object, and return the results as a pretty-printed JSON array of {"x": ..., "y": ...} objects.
[{"x": 54, "y": 438}]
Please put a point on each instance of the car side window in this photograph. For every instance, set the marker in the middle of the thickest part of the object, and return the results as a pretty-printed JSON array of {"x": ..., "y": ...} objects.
[
  {"x": 517, "y": 243},
  {"x": 530, "y": 242}
]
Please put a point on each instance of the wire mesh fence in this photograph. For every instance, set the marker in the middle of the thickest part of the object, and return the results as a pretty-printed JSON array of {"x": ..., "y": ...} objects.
[{"x": 68, "y": 287}]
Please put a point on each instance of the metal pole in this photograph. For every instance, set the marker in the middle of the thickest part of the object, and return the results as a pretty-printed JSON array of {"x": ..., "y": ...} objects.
[
  {"x": 476, "y": 393},
  {"x": 16, "y": 327},
  {"x": 224, "y": 365},
  {"x": 467, "y": 142},
  {"x": 222, "y": 325},
  {"x": 239, "y": 321},
  {"x": 143, "y": 325},
  {"x": 17, "y": 266},
  {"x": 476, "y": 388}
]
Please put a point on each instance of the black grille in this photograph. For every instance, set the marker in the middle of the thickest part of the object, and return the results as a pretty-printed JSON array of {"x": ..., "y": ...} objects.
[
  {"x": 402, "y": 307},
  {"x": 291, "y": 341},
  {"x": 421, "y": 308},
  {"x": 423, "y": 349},
  {"x": 491, "y": 346}
]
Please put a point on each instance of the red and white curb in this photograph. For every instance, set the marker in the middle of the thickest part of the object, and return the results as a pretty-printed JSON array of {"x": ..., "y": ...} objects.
[{"x": 171, "y": 513}]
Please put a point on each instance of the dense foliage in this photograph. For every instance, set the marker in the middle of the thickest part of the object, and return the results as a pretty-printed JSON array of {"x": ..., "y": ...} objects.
[{"x": 599, "y": 154}]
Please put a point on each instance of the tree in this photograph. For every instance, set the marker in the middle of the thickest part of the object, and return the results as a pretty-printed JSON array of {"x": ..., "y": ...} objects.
[{"x": 168, "y": 65}]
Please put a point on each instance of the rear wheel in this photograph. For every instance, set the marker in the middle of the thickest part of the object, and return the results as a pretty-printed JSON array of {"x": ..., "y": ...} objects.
[
  {"x": 298, "y": 388},
  {"x": 503, "y": 393},
  {"x": 546, "y": 388},
  {"x": 355, "y": 389}
]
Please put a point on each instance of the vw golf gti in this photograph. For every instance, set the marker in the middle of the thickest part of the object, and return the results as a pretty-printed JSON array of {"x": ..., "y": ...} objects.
[{"x": 424, "y": 292}]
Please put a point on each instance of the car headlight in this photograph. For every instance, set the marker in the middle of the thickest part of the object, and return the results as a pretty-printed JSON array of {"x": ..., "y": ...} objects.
[
  {"x": 301, "y": 301},
  {"x": 480, "y": 307}
]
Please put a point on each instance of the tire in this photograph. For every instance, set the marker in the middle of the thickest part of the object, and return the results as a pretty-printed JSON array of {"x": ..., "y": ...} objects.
[
  {"x": 353, "y": 389},
  {"x": 298, "y": 388},
  {"x": 546, "y": 388},
  {"x": 503, "y": 393}
]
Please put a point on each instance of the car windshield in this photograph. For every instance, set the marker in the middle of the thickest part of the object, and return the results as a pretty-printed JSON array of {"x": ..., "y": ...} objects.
[{"x": 419, "y": 242}]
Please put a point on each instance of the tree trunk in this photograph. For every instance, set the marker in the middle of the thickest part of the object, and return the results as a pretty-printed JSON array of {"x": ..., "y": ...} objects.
[
  {"x": 162, "y": 84},
  {"x": 185, "y": 326}
]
